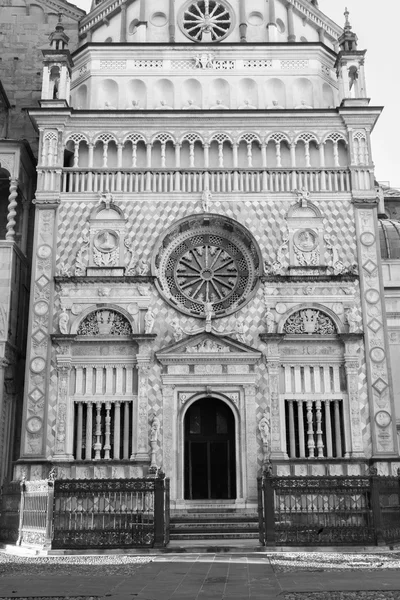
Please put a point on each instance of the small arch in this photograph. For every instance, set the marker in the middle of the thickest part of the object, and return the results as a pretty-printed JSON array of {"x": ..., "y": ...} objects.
[
  {"x": 137, "y": 94},
  {"x": 248, "y": 94},
  {"x": 220, "y": 94},
  {"x": 113, "y": 308},
  {"x": 303, "y": 96},
  {"x": 81, "y": 97},
  {"x": 108, "y": 94},
  {"x": 315, "y": 307},
  {"x": 275, "y": 94},
  {"x": 192, "y": 96},
  {"x": 328, "y": 96},
  {"x": 298, "y": 211},
  {"x": 164, "y": 94}
]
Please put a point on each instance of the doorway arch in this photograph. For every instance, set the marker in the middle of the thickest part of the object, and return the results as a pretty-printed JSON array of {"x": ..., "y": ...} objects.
[{"x": 210, "y": 451}]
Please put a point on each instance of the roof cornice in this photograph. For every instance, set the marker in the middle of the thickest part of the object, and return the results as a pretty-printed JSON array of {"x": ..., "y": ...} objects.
[{"x": 66, "y": 8}]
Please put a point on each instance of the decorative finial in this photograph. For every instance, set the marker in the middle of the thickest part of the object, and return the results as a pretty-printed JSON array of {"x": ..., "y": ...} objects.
[{"x": 347, "y": 14}]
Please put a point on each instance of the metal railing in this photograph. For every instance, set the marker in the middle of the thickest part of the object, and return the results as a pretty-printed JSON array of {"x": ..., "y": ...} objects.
[
  {"x": 327, "y": 511},
  {"x": 110, "y": 513},
  {"x": 79, "y": 513},
  {"x": 80, "y": 180}
]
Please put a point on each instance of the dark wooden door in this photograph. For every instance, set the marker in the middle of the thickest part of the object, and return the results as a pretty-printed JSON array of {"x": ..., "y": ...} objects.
[{"x": 210, "y": 465}]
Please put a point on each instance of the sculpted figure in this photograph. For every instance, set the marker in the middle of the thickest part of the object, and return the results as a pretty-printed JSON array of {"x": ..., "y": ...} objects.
[
  {"x": 353, "y": 320},
  {"x": 240, "y": 330},
  {"x": 264, "y": 429},
  {"x": 149, "y": 321},
  {"x": 178, "y": 332},
  {"x": 270, "y": 320},
  {"x": 63, "y": 322},
  {"x": 206, "y": 200}
]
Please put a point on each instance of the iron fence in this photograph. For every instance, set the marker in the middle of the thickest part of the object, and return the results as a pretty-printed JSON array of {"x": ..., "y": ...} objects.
[
  {"x": 68, "y": 514},
  {"x": 110, "y": 513},
  {"x": 326, "y": 511},
  {"x": 9, "y": 512}
]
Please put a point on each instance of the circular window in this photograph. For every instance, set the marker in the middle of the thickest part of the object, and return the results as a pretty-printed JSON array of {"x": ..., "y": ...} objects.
[
  {"x": 159, "y": 19},
  {"x": 207, "y": 20},
  {"x": 255, "y": 18},
  {"x": 207, "y": 259}
]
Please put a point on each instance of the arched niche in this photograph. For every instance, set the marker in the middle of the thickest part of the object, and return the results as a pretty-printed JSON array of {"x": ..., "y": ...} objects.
[
  {"x": 137, "y": 94},
  {"x": 310, "y": 319},
  {"x": 108, "y": 94},
  {"x": 275, "y": 93},
  {"x": 110, "y": 320},
  {"x": 220, "y": 94},
  {"x": 303, "y": 96},
  {"x": 192, "y": 96},
  {"x": 164, "y": 94},
  {"x": 81, "y": 97},
  {"x": 247, "y": 93},
  {"x": 328, "y": 96}
]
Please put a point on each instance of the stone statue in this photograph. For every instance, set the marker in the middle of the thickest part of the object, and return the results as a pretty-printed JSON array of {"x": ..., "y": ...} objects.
[
  {"x": 303, "y": 196},
  {"x": 154, "y": 431},
  {"x": 353, "y": 320},
  {"x": 178, "y": 332},
  {"x": 208, "y": 313},
  {"x": 270, "y": 320},
  {"x": 247, "y": 105},
  {"x": 144, "y": 268},
  {"x": 105, "y": 197},
  {"x": 149, "y": 321},
  {"x": 265, "y": 430},
  {"x": 206, "y": 200},
  {"x": 275, "y": 105},
  {"x": 190, "y": 105},
  {"x": 63, "y": 322},
  {"x": 219, "y": 106},
  {"x": 240, "y": 330}
]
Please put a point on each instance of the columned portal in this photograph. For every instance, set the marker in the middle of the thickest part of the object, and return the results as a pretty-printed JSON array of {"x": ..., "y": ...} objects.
[{"x": 210, "y": 454}]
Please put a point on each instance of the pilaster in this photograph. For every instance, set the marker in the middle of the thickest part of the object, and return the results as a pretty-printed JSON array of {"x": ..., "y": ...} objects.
[
  {"x": 380, "y": 394},
  {"x": 37, "y": 377}
]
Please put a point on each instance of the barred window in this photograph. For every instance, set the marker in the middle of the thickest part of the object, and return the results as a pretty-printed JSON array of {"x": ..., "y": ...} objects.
[
  {"x": 103, "y": 430},
  {"x": 314, "y": 428}
]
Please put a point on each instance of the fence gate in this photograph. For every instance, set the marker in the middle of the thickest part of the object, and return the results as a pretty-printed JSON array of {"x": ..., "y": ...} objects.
[
  {"x": 328, "y": 511},
  {"x": 110, "y": 513}
]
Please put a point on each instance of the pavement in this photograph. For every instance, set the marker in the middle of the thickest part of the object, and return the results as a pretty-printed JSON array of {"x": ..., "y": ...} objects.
[{"x": 200, "y": 577}]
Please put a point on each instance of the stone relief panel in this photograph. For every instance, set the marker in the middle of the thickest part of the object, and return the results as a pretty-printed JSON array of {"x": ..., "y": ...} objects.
[
  {"x": 382, "y": 411},
  {"x": 35, "y": 427}
]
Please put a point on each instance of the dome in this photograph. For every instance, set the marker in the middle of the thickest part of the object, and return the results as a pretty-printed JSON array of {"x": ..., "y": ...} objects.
[{"x": 389, "y": 234}]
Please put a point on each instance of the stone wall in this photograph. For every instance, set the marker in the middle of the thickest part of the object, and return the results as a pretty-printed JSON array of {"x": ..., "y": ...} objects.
[{"x": 25, "y": 27}]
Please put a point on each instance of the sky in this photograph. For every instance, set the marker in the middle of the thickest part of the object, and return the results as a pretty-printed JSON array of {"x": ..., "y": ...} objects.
[{"x": 376, "y": 24}]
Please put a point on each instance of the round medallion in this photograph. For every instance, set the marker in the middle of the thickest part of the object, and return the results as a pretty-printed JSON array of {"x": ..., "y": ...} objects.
[
  {"x": 306, "y": 240},
  {"x": 44, "y": 251},
  {"x": 76, "y": 309},
  {"x": 41, "y": 308},
  {"x": 106, "y": 241},
  {"x": 338, "y": 308},
  {"x": 207, "y": 259},
  {"x": 367, "y": 238},
  {"x": 38, "y": 364},
  {"x": 383, "y": 418},
  {"x": 206, "y": 20},
  {"x": 378, "y": 355},
  {"x": 372, "y": 296},
  {"x": 34, "y": 424},
  {"x": 133, "y": 309},
  {"x": 281, "y": 308}
]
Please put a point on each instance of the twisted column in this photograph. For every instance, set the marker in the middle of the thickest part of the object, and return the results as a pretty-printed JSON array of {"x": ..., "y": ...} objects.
[{"x": 12, "y": 213}]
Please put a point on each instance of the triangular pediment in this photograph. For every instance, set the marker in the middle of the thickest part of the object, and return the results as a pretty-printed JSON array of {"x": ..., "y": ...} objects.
[{"x": 206, "y": 347}]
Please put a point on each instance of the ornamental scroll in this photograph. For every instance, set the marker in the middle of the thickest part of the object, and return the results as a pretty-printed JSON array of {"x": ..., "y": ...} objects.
[{"x": 309, "y": 321}]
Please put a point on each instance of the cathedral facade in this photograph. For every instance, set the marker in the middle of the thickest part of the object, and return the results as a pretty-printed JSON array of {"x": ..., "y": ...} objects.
[{"x": 207, "y": 295}]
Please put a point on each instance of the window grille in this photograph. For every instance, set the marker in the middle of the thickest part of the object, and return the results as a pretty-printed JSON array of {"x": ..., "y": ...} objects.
[{"x": 314, "y": 428}]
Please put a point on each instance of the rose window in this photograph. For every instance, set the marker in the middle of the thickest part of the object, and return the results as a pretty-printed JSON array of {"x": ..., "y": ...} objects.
[
  {"x": 207, "y": 259},
  {"x": 207, "y": 20}
]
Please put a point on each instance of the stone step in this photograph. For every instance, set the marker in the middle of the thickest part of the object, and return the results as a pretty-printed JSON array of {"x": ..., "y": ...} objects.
[
  {"x": 213, "y": 536},
  {"x": 215, "y": 519},
  {"x": 206, "y": 526}
]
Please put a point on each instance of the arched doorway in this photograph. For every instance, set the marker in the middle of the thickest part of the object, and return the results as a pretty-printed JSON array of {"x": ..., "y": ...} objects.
[{"x": 210, "y": 465}]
